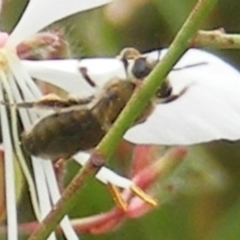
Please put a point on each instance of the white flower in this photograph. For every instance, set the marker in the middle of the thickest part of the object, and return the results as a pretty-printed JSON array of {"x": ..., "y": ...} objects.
[
  {"x": 17, "y": 86},
  {"x": 209, "y": 109}
]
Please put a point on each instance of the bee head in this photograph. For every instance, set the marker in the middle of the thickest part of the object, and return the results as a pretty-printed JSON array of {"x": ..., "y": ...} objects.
[
  {"x": 142, "y": 66},
  {"x": 137, "y": 66}
]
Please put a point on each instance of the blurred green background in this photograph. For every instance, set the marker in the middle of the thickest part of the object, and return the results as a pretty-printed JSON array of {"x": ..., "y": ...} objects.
[{"x": 206, "y": 203}]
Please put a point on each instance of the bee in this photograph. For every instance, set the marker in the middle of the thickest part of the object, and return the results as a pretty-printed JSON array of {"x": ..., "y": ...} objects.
[{"x": 80, "y": 124}]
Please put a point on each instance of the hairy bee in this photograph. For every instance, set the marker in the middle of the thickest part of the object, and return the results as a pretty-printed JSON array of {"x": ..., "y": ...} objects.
[{"x": 80, "y": 124}]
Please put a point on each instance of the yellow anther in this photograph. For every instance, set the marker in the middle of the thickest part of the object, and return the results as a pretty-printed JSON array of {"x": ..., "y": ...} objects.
[
  {"x": 122, "y": 204},
  {"x": 117, "y": 197},
  {"x": 145, "y": 197}
]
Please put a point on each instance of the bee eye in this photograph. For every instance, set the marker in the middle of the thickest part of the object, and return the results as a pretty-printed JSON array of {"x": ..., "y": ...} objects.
[{"x": 140, "y": 68}]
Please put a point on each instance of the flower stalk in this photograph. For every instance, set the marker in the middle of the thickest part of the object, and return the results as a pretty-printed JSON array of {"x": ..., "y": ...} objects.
[{"x": 215, "y": 39}]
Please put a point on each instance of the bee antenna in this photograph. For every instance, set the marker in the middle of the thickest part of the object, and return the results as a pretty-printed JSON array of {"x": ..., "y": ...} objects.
[
  {"x": 190, "y": 66},
  {"x": 84, "y": 72}
]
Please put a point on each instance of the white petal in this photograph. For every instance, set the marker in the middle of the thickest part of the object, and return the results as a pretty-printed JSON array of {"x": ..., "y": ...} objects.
[
  {"x": 66, "y": 74},
  {"x": 40, "y": 180},
  {"x": 11, "y": 211},
  {"x": 40, "y": 14},
  {"x": 45, "y": 179},
  {"x": 209, "y": 110},
  {"x": 105, "y": 175},
  {"x": 81, "y": 158}
]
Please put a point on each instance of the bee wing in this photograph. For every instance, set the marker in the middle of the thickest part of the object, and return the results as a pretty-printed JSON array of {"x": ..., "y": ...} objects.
[
  {"x": 208, "y": 110},
  {"x": 66, "y": 74}
]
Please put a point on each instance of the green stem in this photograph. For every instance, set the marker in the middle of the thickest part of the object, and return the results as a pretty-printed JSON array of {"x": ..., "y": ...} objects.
[
  {"x": 157, "y": 76},
  {"x": 126, "y": 118},
  {"x": 215, "y": 39}
]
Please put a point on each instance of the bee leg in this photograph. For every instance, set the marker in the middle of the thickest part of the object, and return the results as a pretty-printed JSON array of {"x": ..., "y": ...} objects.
[
  {"x": 74, "y": 100},
  {"x": 122, "y": 203},
  {"x": 54, "y": 102},
  {"x": 85, "y": 75},
  {"x": 190, "y": 66},
  {"x": 59, "y": 163},
  {"x": 46, "y": 101}
]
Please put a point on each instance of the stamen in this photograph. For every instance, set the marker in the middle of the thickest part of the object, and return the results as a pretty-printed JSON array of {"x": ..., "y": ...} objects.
[
  {"x": 45, "y": 179},
  {"x": 19, "y": 153},
  {"x": 117, "y": 197},
  {"x": 145, "y": 197}
]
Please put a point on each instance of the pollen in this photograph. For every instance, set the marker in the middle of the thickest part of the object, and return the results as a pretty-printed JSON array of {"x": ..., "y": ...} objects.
[{"x": 4, "y": 63}]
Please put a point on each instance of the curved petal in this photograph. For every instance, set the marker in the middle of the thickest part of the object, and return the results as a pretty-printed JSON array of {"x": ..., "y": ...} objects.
[
  {"x": 208, "y": 110},
  {"x": 40, "y": 14},
  {"x": 66, "y": 74}
]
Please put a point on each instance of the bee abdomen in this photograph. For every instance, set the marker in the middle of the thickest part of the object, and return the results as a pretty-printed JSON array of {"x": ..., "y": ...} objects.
[{"x": 61, "y": 135}]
